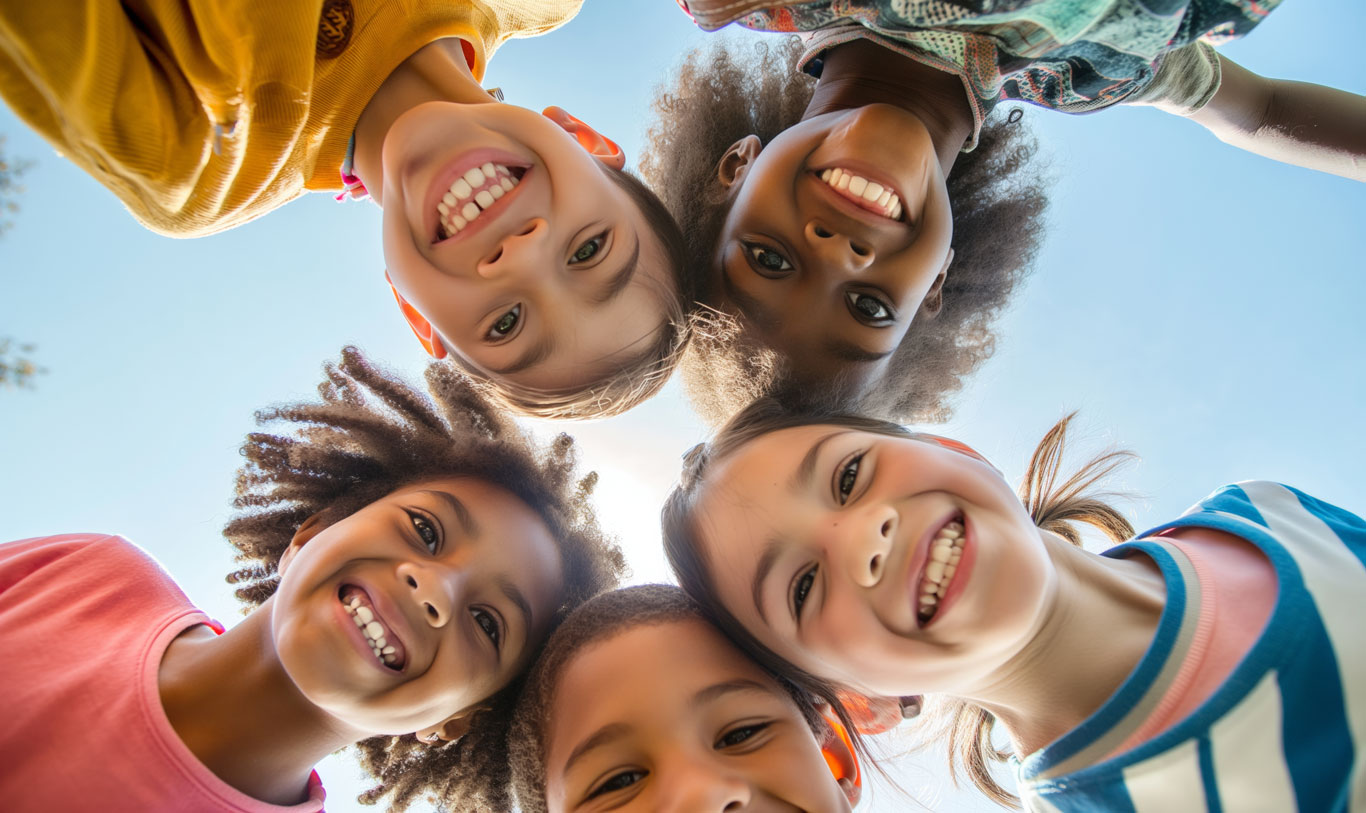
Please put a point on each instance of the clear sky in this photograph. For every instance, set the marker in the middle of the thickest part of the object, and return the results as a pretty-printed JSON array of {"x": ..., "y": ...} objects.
[{"x": 1198, "y": 305}]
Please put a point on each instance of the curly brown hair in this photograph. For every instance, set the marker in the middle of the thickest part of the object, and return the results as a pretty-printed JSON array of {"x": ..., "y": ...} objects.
[
  {"x": 998, "y": 197},
  {"x": 520, "y": 783},
  {"x": 1053, "y": 506},
  {"x": 639, "y": 378},
  {"x": 371, "y": 434}
]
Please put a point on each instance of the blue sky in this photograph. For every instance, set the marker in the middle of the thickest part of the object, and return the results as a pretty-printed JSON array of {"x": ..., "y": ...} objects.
[{"x": 1197, "y": 305}]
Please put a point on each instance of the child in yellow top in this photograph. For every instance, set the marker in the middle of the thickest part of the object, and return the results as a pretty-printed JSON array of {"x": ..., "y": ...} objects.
[{"x": 201, "y": 116}]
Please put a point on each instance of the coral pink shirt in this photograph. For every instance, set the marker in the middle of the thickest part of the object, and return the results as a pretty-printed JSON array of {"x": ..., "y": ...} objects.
[{"x": 85, "y": 619}]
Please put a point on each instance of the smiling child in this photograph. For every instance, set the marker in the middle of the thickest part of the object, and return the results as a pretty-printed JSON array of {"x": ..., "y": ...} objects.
[
  {"x": 637, "y": 703},
  {"x": 552, "y": 275},
  {"x": 839, "y": 255},
  {"x": 404, "y": 558},
  {"x": 1213, "y": 662}
]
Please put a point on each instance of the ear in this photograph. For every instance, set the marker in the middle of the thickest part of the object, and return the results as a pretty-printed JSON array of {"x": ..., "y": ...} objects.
[
  {"x": 422, "y": 329},
  {"x": 838, "y": 751},
  {"x": 448, "y": 730},
  {"x": 934, "y": 298},
  {"x": 874, "y": 714},
  {"x": 598, "y": 145},
  {"x": 730, "y": 170},
  {"x": 306, "y": 531}
]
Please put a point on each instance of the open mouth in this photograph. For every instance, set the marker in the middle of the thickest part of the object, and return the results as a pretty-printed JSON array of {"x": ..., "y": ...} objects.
[
  {"x": 472, "y": 194},
  {"x": 946, "y": 552},
  {"x": 867, "y": 193},
  {"x": 388, "y": 649}
]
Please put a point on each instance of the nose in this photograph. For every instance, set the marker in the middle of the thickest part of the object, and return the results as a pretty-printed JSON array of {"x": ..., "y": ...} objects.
[
  {"x": 865, "y": 542},
  {"x": 520, "y": 250},
  {"x": 434, "y": 590},
  {"x": 837, "y": 250},
  {"x": 703, "y": 786}
]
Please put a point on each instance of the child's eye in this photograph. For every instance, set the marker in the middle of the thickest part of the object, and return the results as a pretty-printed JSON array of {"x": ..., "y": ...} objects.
[
  {"x": 618, "y": 781},
  {"x": 588, "y": 250},
  {"x": 739, "y": 734},
  {"x": 504, "y": 325},
  {"x": 801, "y": 589},
  {"x": 848, "y": 477},
  {"x": 426, "y": 530},
  {"x": 488, "y": 622},
  {"x": 766, "y": 259},
  {"x": 868, "y": 309}
]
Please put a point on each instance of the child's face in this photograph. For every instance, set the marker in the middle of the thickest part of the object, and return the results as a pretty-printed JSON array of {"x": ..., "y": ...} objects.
[
  {"x": 460, "y": 576},
  {"x": 555, "y": 281},
  {"x": 820, "y": 539},
  {"x": 821, "y": 278},
  {"x": 671, "y": 717}
]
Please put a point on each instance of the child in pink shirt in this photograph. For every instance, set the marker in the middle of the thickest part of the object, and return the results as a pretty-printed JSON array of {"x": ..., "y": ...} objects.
[{"x": 398, "y": 582}]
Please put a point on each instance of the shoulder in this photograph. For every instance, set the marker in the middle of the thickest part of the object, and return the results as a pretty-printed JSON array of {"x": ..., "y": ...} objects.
[{"x": 108, "y": 559}]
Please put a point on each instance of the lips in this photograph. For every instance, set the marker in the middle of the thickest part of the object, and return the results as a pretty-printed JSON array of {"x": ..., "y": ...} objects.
[
  {"x": 388, "y": 650},
  {"x": 878, "y": 198},
  {"x": 470, "y": 192}
]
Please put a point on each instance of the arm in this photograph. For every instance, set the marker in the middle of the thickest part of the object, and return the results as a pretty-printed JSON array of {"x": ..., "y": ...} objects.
[{"x": 1298, "y": 123}]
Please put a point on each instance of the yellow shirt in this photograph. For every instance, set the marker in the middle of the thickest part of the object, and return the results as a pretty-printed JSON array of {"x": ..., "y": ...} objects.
[{"x": 204, "y": 114}]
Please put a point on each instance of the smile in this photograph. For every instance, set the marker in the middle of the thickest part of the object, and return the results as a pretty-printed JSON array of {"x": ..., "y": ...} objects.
[
  {"x": 388, "y": 649},
  {"x": 942, "y": 565},
  {"x": 868, "y": 194},
  {"x": 472, "y": 194}
]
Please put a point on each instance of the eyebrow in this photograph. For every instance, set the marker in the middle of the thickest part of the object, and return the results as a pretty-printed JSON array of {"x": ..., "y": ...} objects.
[
  {"x": 725, "y": 687},
  {"x": 774, "y": 546},
  {"x": 539, "y": 352},
  {"x": 845, "y": 351},
  {"x": 754, "y": 310},
  {"x": 514, "y": 594},
  {"x": 599, "y": 738},
  {"x": 621, "y": 279},
  {"x": 458, "y": 508}
]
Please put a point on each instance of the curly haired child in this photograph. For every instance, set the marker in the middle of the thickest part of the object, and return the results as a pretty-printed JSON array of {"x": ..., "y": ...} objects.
[
  {"x": 515, "y": 242},
  {"x": 403, "y": 558},
  {"x": 846, "y": 210},
  {"x": 1213, "y": 662},
  {"x": 638, "y": 703}
]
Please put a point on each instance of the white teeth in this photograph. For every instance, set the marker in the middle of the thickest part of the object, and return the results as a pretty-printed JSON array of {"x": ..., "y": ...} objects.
[
  {"x": 941, "y": 553},
  {"x": 470, "y": 194},
  {"x": 945, "y": 552},
  {"x": 857, "y": 184},
  {"x": 459, "y": 222},
  {"x": 934, "y": 571},
  {"x": 364, "y": 615},
  {"x": 461, "y": 190},
  {"x": 448, "y": 199},
  {"x": 443, "y": 208},
  {"x": 507, "y": 184},
  {"x": 484, "y": 199},
  {"x": 471, "y": 211},
  {"x": 873, "y": 192},
  {"x": 475, "y": 177},
  {"x": 884, "y": 198},
  {"x": 896, "y": 211},
  {"x": 374, "y": 629},
  {"x": 843, "y": 182},
  {"x": 498, "y": 192},
  {"x": 825, "y": 176},
  {"x": 380, "y": 642},
  {"x": 388, "y": 658},
  {"x": 487, "y": 169},
  {"x": 864, "y": 189},
  {"x": 388, "y": 650}
]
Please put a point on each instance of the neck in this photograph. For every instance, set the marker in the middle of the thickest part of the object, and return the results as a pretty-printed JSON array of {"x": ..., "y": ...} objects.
[
  {"x": 1101, "y": 618},
  {"x": 231, "y": 702},
  {"x": 861, "y": 72},
  {"x": 437, "y": 72}
]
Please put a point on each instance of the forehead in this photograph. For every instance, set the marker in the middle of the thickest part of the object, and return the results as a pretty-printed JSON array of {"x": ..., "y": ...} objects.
[{"x": 646, "y": 677}]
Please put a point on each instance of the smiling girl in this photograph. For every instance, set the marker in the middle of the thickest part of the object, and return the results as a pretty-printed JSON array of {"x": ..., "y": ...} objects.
[
  {"x": 515, "y": 241},
  {"x": 1210, "y": 663},
  {"x": 637, "y": 703},
  {"x": 403, "y": 560}
]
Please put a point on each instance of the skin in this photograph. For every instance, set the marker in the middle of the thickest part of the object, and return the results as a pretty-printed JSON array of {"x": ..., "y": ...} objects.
[
  {"x": 260, "y": 704},
  {"x": 528, "y": 297},
  {"x": 791, "y": 245},
  {"x": 695, "y": 726},
  {"x": 1041, "y": 633}
]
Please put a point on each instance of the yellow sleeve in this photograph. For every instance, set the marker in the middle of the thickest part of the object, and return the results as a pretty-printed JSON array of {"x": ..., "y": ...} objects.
[{"x": 135, "y": 93}]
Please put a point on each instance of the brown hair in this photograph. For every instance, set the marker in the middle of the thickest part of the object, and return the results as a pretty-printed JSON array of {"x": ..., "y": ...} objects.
[
  {"x": 636, "y": 379},
  {"x": 725, "y": 92},
  {"x": 1052, "y": 506},
  {"x": 523, "y": 751},
  {"x": 371, "y": 434}
]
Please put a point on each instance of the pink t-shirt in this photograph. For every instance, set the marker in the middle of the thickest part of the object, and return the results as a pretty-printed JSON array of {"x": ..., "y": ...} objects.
[{"x": 85, "y": 620}]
